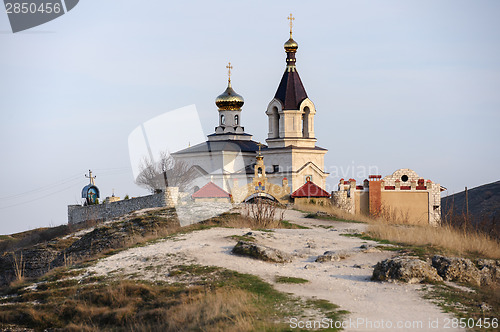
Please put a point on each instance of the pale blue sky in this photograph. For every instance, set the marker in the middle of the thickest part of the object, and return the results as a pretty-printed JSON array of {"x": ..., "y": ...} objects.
[{"x": 396, "y": 84}]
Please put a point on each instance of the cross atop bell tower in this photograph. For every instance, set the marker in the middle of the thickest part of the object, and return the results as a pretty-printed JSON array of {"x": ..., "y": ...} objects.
[
  {"x": 291, "y": 112},
  {"x": 291, "y": 19}
]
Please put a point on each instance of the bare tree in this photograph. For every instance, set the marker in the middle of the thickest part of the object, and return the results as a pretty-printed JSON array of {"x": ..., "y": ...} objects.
[
  {"x": 166, "y": 172},
  {"x": 265, "y": 213}
]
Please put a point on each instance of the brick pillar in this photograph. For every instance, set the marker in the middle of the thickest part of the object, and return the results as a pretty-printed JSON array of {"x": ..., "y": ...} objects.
[{"x": 375, "y": 195}]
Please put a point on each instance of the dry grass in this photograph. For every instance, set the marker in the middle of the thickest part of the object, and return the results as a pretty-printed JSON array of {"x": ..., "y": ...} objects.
[
  {"x": 224, "y": 301},
  {"x": 135, "y": 307},
  {"x": 254, "y": 216},
  {"x": 223, "y": 309},
  {"x": 456, "y": 240},
  {"x": 451, "y": 239},
  {"x": 333, "y": 211},
  {"x": 18, "y": 267}
]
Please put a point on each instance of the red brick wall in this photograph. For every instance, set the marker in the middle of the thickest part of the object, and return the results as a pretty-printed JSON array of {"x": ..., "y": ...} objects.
[{"x": 375, "y": 190}]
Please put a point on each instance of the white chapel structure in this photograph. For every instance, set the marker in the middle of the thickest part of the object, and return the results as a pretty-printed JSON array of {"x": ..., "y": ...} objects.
[{"x": 231, "y": 160}]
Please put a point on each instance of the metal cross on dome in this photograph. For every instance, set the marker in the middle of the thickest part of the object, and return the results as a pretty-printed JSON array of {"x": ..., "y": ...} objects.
[
  {"x": 291, "y": 19},
  {"x": 260, "y": 145},
  {"x": 229, "y": 67}
]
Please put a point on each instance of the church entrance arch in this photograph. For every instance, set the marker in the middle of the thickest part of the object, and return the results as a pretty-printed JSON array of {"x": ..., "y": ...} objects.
[{"x": 266, "y": 196}]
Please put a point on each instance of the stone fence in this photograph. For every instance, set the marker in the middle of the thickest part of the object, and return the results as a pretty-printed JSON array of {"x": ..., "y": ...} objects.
[{"x": 102, "y": 212}]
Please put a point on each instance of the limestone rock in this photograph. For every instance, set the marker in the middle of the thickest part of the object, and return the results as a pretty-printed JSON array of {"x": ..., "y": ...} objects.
[
  {"x": 490, "y": 271},
  {"x": 332, "y": 256},
  {"x": 371, "y": 250},
  {"x": 457, "y": 269},
  {"x": 33, "y": 262},
  {"x": 261, "y": 252},
  {"x": 407, "y": 269}
]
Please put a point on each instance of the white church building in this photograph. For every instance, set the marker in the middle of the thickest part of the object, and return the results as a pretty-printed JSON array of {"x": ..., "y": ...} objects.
[{"x": 230, "y": 158}]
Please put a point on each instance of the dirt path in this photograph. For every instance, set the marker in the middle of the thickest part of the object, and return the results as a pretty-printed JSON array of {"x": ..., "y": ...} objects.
[{"x": 373, "y": 306}]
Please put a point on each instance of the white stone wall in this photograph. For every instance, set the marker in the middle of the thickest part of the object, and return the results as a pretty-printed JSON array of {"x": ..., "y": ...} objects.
[
  {"x": 101, "y": 212},
  {"x": 342, "y": 201}
]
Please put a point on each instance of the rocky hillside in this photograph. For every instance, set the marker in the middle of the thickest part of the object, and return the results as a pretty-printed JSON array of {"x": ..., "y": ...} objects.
[
  {"x": 22, "y": 258},
  {"x": 484, "y": 206}
]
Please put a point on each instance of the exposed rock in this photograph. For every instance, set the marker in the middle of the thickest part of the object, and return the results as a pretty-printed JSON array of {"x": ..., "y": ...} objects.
[
  {"x": 407, "y": 269},
  {"x": 310, "y": 244},
  {"x": 490, "y": 271},
  {"x": 485, "y": 307},
  {"x": 39, "y": 259},
  {"x": 108, "y": 237},
  {"x": 332, "y": 256},
  {"x": 371, "y": 250},
  {"x": 302, "y": 253},
  {"x": 457, "y": 269},
  {"x": 32, "y": 263},
  {"x": 310, "y": 267},
  {"x": 261, "y": 252}
]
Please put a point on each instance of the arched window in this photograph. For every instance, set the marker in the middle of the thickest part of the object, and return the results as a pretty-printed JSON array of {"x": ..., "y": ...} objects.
[
  {"x": 222, "y": 120},
  {"x": 305, "y": 122},
  {"x": 275, "y": 123},
  {"x": 236, "y": 120},
  {"x": 303, "y": 125}
]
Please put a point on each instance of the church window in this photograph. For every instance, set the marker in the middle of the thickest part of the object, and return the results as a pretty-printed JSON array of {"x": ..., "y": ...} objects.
[
  {"x": 222, "y": 119},
  {"x": 275, "y": 123},
  {"x": 276, "y": 168},
  {"x": 404, "y": 178},
  {"x": 259, "y": 171},
  {"x": 236, "y": 120},
  {"x": 305, "y": 122},
  {"x": 303, "y": 127}
]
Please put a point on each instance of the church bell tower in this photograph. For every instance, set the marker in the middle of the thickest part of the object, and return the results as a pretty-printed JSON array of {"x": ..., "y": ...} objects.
[
  {"x": 291, "y": 144},
  {"x": 291, "y": 112}
]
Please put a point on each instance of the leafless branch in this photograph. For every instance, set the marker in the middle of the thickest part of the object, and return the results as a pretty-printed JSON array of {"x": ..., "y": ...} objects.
[{"x": 166, "y": 172}]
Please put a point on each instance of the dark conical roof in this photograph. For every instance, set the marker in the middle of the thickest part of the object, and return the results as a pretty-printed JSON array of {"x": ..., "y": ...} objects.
[{"x": 291, "y": 91}]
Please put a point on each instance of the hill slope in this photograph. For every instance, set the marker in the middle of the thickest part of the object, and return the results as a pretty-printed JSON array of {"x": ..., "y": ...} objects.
[{"x": 484, "y": 203}]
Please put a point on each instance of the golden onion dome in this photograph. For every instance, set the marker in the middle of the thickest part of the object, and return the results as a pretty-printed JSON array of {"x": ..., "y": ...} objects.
[
  {"x": 291, "y": 45},
  {"x": 229, "y": 100}
]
